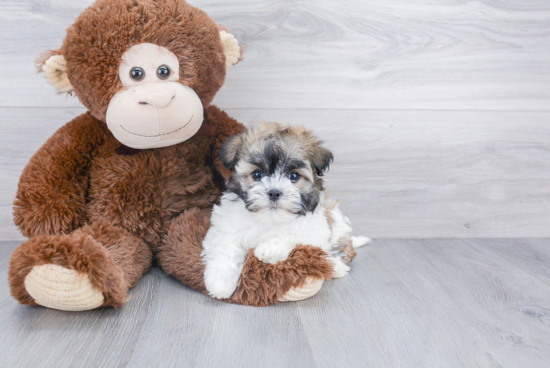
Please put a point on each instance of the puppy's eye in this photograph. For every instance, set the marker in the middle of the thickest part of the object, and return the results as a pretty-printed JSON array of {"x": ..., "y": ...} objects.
[
  {"x": 257, "y": 175},
  {"x": 294, "y": 176},
  {"x": 163, "y": 72},
  {"x": 137, "y": 73}
]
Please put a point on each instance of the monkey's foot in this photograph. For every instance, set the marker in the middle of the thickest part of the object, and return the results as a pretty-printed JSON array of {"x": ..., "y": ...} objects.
[
  {"x": 61, "y": 288},
  {"x": 310, "y": 287}
]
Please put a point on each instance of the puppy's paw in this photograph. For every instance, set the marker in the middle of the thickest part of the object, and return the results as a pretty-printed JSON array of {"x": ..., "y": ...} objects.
[
  {"x": 340, "y": 268},
  {"x": 272, "y": 251},
  {"x": 219, "y": 287},
  {"x": 359, "y": 241}
]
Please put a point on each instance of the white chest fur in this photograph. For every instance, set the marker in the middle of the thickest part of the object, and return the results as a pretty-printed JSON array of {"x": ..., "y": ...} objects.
[{"x": 233, "y": 223}]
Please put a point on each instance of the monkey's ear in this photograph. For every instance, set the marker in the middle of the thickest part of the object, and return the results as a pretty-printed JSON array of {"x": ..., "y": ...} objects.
[
  {"x": 231, "y": 48},
  {"x": 54, "y": 67},
  {"x": 321, "y": 159},
  {"x": 229, "y": 151}
]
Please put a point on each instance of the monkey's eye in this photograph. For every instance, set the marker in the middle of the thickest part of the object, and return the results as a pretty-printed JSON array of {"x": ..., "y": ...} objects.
[
  {"x": 137, "y": 73},
  {"x": 163, "y": 72},
  {"x": 257, "y": 175},
  {"x": 294, "y": 176}
]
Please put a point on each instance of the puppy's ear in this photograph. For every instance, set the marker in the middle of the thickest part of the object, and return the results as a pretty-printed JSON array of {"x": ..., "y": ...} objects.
[
  {"x": 321, "y": 159},
  {"x": 229, "y": 151}
]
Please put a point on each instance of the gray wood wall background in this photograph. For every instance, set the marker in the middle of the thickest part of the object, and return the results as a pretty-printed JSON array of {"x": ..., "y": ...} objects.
[{"x": 437, "y": 111}]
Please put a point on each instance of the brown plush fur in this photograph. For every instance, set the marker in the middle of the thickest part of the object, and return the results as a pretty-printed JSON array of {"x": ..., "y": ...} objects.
[
  {"x": 51, "y": 197},
  {"x": 76, "y": 179},
  {"x": 87, "y": 208},
  {"x": 180, "y": 252},
  {"x": 262, "y": 284},
  {"x": 112, "y": 269}
]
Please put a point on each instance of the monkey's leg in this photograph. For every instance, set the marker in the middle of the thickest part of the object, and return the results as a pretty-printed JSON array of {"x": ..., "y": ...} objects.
[
  {"x": 92, "y": 267},
  {"x": 299, "y": 277}
]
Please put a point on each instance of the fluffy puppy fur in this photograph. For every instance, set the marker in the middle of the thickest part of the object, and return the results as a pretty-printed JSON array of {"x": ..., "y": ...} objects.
[{"x": 275, "y": 201}]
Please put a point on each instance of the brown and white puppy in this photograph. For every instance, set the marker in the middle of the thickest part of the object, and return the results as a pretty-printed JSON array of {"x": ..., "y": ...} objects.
[{"x": 275, "y": 200}]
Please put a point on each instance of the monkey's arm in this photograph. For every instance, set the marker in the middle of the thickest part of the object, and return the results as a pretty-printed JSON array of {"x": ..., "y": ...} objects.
[
  {"x": 226, "y": 126},
  {"x": 51, "y": 195}
]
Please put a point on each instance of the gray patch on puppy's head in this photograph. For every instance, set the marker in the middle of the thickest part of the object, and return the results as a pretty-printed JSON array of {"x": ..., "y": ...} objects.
[{"x": 268, "y": 159}]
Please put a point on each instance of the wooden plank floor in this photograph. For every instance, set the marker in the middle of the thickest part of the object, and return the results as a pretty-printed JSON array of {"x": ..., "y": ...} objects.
[{"x": 406, "y": 303}]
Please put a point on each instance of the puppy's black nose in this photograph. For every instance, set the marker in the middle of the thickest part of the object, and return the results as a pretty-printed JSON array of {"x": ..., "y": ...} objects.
[{"x": 274, "y": 194}]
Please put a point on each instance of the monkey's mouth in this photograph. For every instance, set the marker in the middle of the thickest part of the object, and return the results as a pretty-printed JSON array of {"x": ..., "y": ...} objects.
[{"x": 158, "y": 135}]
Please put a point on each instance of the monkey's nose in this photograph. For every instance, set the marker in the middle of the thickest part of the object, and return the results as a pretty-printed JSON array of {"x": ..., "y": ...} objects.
[
  {"x": 156, "y": 94},
  {"x": 274, "y": 194}
]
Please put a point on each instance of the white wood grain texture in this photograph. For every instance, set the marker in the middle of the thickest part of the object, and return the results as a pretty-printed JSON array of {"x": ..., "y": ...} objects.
[
  {"x": 531, "y": 255},
  {"x": 398, "y": 174},
  {"x": 410, "y": 303},
  {"x": 368, "y": 54}
]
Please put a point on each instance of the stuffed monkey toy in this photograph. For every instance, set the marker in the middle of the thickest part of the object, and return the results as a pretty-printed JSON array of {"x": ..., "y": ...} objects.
[{"x": 135, "y": 177}]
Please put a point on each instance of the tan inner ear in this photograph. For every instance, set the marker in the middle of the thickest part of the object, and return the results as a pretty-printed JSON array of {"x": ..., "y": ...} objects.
[
  {"x": 231, "y": 47},
  {"x": 55, "y": 71}
]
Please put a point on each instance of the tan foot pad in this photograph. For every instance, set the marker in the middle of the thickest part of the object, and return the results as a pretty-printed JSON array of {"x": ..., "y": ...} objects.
[
  {"x": 60, "y": 288},
  {"x": 311, "y": 287}
]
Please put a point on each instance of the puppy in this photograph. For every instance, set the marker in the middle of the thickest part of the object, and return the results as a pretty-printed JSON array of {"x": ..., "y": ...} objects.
[{"x": 274, "y": 201}]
